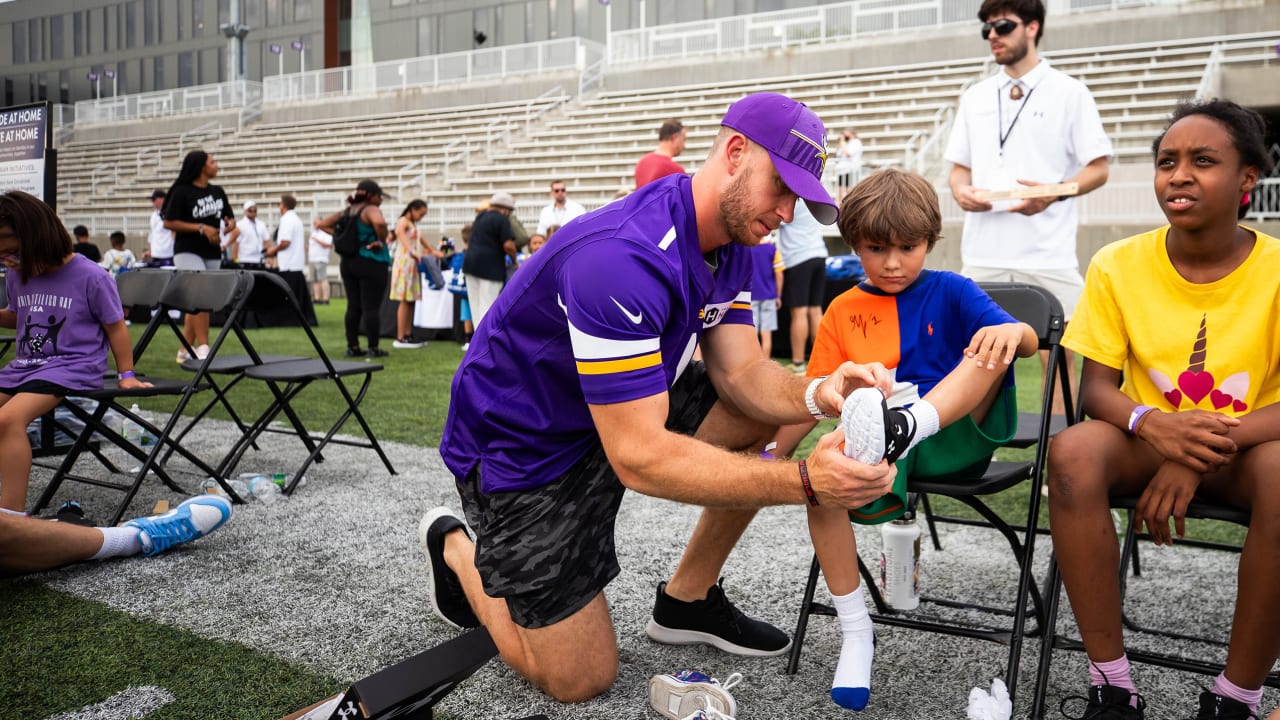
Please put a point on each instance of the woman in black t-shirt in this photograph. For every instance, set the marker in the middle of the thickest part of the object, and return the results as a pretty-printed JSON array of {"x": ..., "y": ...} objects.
[{"x": 193, "y": 210}]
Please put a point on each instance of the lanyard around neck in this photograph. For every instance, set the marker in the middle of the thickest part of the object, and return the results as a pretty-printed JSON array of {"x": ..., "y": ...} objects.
[{"x": 1000, "y": 116}]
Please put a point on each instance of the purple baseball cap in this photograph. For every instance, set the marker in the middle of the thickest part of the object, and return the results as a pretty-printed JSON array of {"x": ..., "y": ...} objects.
[{"x": 796, "y": 141}]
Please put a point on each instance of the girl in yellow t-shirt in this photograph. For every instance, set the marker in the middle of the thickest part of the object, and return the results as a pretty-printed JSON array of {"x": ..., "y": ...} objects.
[{"x": 1190, "y": 315}]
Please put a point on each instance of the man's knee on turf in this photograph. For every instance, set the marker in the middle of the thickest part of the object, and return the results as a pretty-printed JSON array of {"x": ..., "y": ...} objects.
[{"x": 572, "y": 682}]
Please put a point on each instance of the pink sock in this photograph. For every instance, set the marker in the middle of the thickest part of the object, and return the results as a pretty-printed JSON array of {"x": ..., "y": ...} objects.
[
  {"x": 1224, "y": 687},
  {"x": 1113, "y": 672}
]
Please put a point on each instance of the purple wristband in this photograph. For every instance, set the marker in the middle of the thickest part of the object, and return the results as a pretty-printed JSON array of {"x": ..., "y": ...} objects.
[
  {"x": 127, "y": 374},
  {"x": 1134, "y": 417}
]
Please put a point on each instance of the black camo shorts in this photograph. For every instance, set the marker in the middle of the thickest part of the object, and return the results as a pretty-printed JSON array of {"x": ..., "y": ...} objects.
[{"x": 549, "y": 551}]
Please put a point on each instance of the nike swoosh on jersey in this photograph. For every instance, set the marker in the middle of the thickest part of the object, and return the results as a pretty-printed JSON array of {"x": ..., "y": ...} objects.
[{"x": 635, "y": 318}]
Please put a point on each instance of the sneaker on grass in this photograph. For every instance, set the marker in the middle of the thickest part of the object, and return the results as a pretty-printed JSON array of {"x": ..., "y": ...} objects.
[
  {"x": 444, "y": 590},
  {"x": 714, "y": 621},
  {"x": 872, "y": 431},
  {"x": 691, "y": 695},
  {"x": 1107, "y": 702},
  {"x": 194, "y": 518}
]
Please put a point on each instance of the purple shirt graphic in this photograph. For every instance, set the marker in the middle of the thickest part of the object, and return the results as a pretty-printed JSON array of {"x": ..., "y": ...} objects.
[
  {"x": 59, "y": 330},
  {"x": 610, "y": 310}
]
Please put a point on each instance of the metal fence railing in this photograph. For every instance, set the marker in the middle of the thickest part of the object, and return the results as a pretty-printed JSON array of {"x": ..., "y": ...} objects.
[
  {"x": 507, "y": 61},
  {"x": 201, "y": 98},
  {"x": 832, "y": 23}
]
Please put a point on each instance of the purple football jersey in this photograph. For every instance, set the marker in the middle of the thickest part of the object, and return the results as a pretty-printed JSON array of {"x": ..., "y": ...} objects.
[{"x": 610, "y": 310}]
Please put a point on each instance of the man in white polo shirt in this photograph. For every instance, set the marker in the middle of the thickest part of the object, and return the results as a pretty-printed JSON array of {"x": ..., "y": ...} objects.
[
  {"x": 1028, "y": 124},
  {"x": 253, "y": 238},
  {"x": 559, "y": 211}
]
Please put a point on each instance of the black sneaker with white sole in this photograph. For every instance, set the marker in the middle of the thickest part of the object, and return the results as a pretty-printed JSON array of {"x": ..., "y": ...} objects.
[
  {"x": 443, "y": 587},
  {"x": 714, "y": 621},
  {"x": 872, "y": 430}
]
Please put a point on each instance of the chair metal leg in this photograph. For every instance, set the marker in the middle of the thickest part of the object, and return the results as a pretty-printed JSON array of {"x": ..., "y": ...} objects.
[
  {"x": 802, "y": 623},
  {"x": 1048, "y": 639},
  {"x": 930, "y": 522}
]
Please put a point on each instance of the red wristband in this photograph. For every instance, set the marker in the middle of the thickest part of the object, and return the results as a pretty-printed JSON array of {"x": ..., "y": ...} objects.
[{"x": 804, "y": 481}]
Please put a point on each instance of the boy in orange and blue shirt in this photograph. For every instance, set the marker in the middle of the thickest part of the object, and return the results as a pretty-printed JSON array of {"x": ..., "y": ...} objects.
[{"x": 949, "y": 348}]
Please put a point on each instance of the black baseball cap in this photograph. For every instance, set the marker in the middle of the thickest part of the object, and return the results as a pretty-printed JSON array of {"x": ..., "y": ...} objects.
[
  {"x": 370, "y": 188},
  {"x": 157, "y": 194}
]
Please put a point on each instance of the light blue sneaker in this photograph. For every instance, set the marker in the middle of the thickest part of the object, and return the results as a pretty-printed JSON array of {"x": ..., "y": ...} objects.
[{"x": 195, "y": 517}]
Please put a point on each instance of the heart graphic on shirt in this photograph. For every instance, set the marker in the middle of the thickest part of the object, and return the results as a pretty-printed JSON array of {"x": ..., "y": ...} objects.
[
  {"x": 1220, "y": 399},
  {"x": 1174, "y": 397},
  {"x": 1195, "y": 385},
  {"x": 1239, "y": 406}
]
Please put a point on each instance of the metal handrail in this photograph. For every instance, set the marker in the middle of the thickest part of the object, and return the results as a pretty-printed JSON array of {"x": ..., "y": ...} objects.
[
  {"x": 144, "y": 156},
  {"x": 419, "y": 180},
  {"x": 103, "y": 173},
  {"x": 1210, "y": 82},
  {"x": 197, "y": 135}
]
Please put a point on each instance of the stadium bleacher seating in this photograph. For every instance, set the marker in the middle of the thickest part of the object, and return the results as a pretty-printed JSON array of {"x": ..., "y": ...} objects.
[{"x": 593, "y": 141}]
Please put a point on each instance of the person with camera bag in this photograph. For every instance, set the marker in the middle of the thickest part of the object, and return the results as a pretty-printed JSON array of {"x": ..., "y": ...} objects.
[{"x": 360, "y": 239}]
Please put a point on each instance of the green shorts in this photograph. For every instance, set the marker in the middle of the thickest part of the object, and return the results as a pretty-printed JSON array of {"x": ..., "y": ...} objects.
[{"x": 963, "y": 449}]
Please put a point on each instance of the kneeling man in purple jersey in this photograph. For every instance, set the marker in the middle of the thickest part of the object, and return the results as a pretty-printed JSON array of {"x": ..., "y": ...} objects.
[{"x": 580, "y": 383}]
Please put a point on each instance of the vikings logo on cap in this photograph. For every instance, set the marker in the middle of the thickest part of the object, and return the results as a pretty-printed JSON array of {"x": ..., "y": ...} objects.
[{"x": 796, "y": 142}]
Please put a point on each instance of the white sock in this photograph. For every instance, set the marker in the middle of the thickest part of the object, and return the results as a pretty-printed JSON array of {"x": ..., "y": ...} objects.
[
  {"x": 13, "y": 512},
  {"x": 119, "y": 542},
  {"x": 851, "y": 687},
  {"x": 927, "y": 422}
]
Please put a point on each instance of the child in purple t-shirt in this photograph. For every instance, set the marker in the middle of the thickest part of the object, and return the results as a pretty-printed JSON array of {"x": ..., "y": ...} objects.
[
  {"x": 766, "y": 282},
  {"x": 66, "y": 312}
]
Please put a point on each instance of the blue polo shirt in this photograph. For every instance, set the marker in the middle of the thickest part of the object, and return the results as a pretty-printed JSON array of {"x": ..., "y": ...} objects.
[{"x": 609, "y": 311}]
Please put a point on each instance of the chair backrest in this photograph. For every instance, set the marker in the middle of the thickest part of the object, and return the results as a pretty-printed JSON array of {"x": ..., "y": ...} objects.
[
  {"x": 272, "y": 293},
  {"x": 206, "y": 291},
  {"x": 142, "y": 288},
  {"x": 1032, "y": 305}
]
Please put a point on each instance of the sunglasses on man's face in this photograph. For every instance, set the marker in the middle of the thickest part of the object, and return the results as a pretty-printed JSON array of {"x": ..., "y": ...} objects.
[{"x": 1003, "y": 27}]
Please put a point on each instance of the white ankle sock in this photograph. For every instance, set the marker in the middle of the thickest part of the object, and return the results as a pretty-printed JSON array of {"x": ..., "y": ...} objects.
[
  {"x": 119, "y": 542},
  {"x": 851, "y": 687},
  {"x": 927, "y": 421},
  {"x": 12, "y": 512}
]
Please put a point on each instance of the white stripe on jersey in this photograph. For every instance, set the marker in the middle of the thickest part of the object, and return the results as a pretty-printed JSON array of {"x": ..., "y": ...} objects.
[
  {"x": 668, "y": 239},
  {"x": 591, "y": 347}
]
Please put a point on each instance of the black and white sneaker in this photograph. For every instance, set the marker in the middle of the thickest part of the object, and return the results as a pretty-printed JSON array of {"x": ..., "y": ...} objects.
[
  {"x": 714, "y": 621},
  {"x": 443, "y": 587},
  {"x": 872, "y": 430}
]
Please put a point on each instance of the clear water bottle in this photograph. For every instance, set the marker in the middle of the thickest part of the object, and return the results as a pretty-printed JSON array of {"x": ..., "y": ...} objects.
[
  {"x": 131, "y": 430},
  {"x": 263, "y": 488},
  {"x": 900, "y": 563}
]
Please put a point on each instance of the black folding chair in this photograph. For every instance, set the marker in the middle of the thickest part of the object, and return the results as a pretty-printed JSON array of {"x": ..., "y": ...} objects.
[
  {"x": 1052, "y": 640},
  {"x": 188, "y": 292},
  {"x": 1042, "y": 311},
  {"x": 286, "y": 379}
]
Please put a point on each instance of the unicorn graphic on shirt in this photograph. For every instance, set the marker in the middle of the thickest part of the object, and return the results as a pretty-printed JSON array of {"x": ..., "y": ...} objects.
[{"x": 1195, "y": 383}]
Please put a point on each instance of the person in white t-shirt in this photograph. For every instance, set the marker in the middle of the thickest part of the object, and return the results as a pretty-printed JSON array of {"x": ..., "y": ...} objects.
[
  {"x": 318, "y": 247},
  {"x": 159, "y": 252},
  {"x": 290, "y": 249},
  {"x": 560, "y": 211},
  {"x": 848, "y": 163},
  {"x": 1027, "y": 125},
  {"x": 253, "y": 238}
]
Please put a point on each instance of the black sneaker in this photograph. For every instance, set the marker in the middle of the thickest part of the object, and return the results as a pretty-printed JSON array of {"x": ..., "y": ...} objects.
[
  {"x": 443, "y": 587},
  {"x": 1214, "y": 706},
  {"x": 377, "y": 353},
  {"x": 874, "y": 431},
  {"x": 71, "y": 512},
  {"x": 1107, "y": 702},
  {"x": 355, "y": 352},
  {"x": 713, "y": 621}
]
